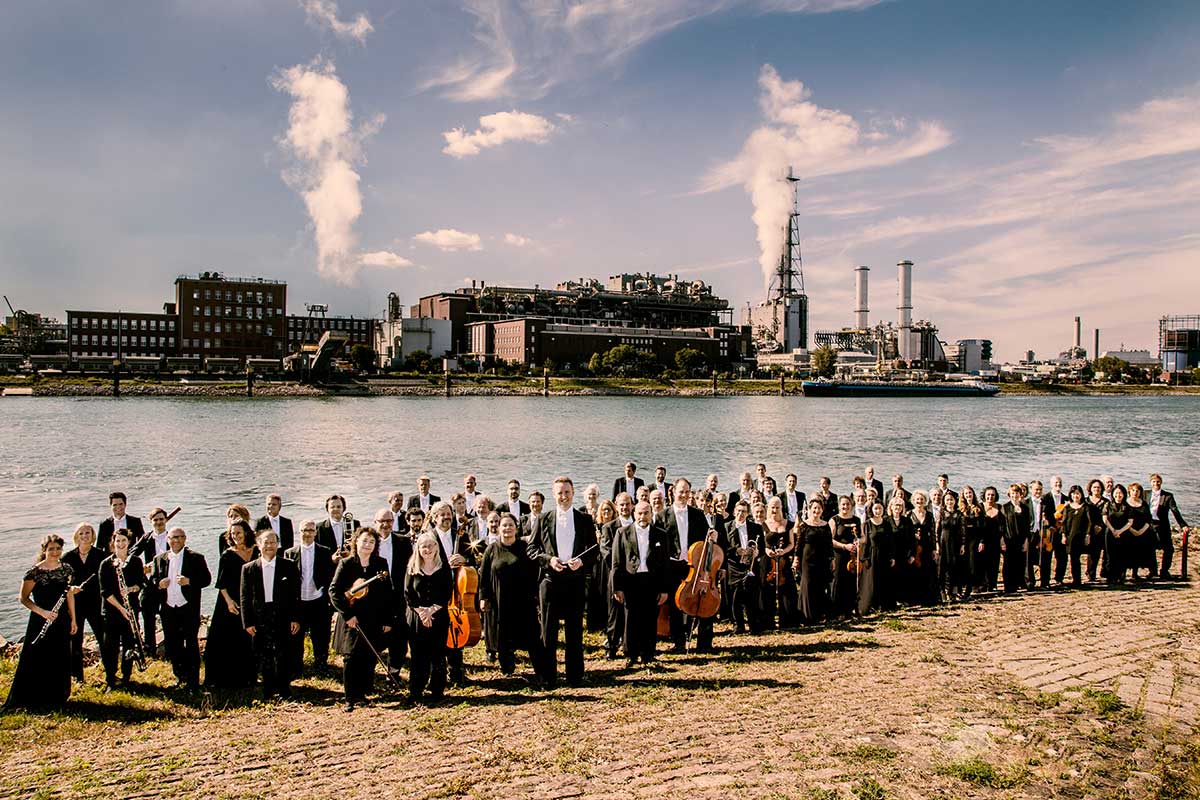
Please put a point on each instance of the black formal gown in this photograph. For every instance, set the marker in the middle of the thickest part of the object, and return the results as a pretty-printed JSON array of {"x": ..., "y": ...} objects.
[
  {"x": 954, "y": 574},
  {"x": 1096, "y": 551},
  {"x": 508, "y": 582},
  {"x": 87, "y": 602},
  {"x": 904, "y": 547},
  {"x": 427, "y": 669},
  {"x": 875, "y": 587},
  {"x": 845, "y": 582},
  {"x": 1077, "y": 527},
  {"x": 1120, "y": 549},
  {"x": 972, "y": 531},
  {"x": 373, "y": 612},
  {"x": 779, "y": 595},
  {"x": 925, "y": 575},
  {"x": 43, "y": 678},
  {"x": 816, "y": 555},
  {"x": 993, "y": 532},
  {"x": 1142, "y": 547},
  {"x": 229, "y": 660}
]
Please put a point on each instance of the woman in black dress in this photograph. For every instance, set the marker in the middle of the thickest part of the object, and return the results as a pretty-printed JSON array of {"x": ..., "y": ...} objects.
[
  {"x": 903, "y": 538},
  {"x": 1142, "y": 545},
  {"x": 43, "y": 678},
  {"x": 972, "y": 525},
  {"x": 120, "y": 643},
  {"x": 992, "y": 521},
  {"x": 814, "y": 542},
  {"x": 427, "y": 588},
  {"x": 1096, "y": 503},
  {"x": 779, "y": 579},
  {"x": 1118, "y": 541},
  {"x": 925, "y": 567},
  {"x": 362, "y": 621},
  {"x": 953, "y": 566},
  {"x": 847, "y": 531},
  {"x": 874, "y": 589},
  {"x": 1077, "y": 530},
  {"x": 508, "y": 595},
  {"x": 1015, "y": 544},
  {"x": 229, "y": 661},
  {"x": 84, "y": 561}
]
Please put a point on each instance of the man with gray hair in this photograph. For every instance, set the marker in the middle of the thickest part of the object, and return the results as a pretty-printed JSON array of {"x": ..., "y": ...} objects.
[
  {"x": 315, "y": 564},
  {"x": 281, "y": 525}
]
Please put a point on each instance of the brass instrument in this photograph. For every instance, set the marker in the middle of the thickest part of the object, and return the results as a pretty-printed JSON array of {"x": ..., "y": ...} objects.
[
  {"x": 139, "y": 645},
  {"x": 347, "y": 533}
]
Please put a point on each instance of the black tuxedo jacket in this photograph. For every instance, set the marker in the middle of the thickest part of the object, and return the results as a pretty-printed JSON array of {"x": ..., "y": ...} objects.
[
  {"x": 1166, "y": 508},
  {"x": 754, "y": 533},
  {"x": 326, "y": 536},
  {"x": 415, "y": 500},
  {"x": 907, "y": 495},
  {"x": 626, "y": 558},
  {"x": 545, "y": 547},
  {"x": 697, "y": 530},
  {"x": 619, "y": 486},
  {"x": 462, "y": 546},
  {"x": 287, "y": 536},
  {"x": 322, "y": 564},
  {"x": 522, "y": 506},
  {"x": 800, "y": 501},
  {"x": 877, "y": 485},
  {"x": 194, "y": 568},
  {"x": 531, "y": 526},
  {"x": 285, "y": 593},
  {"x": 402, "y": 550},
  {"x": 104, "y": 531}
]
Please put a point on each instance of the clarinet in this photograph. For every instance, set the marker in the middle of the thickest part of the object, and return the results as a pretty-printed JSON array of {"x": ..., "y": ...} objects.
[
  {"x": 139, "y": 647},
  {"x": 57, "y": 607}
]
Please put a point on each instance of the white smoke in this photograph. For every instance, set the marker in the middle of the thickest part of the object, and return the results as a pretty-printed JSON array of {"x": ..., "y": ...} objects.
[
  {"x": 326, "y": 146},
  {"x": 324, "y": 14},
  {"x": 815, "y": 141}
]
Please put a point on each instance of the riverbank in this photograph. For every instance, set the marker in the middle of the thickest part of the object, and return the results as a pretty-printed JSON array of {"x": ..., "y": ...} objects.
[{"x": 466, "y": 386}]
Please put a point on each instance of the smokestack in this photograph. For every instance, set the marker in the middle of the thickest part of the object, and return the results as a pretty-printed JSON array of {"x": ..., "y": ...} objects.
[
  {"x": 1096, "y": 345},
  {"x": 1078, "y": 334},
  {"x": 904, "y": 309},
  {"x": 860, "y": 292}
]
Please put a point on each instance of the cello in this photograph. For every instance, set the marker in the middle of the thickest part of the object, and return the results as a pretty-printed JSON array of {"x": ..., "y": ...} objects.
[
  {"x": 700, "y": 593},
  {"x": 466, "y": 627}
]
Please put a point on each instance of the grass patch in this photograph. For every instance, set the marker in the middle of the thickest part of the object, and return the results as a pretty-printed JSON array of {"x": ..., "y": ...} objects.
[
  {"x": 823, "y": 794},
  {"x": 895, "y": 625},
  {"x": 933, "y": 658},
  {"x": 868, "y": 789},
  {"x": 873, "y": 752},
  {"x": 1178, "y": 772},
  {"x": 980, "y": 772},
  {"x": 1107, "y": 703},
  {"x": 1047, "y": 699}
]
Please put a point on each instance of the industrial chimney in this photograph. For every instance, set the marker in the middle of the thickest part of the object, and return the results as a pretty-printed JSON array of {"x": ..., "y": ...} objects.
[
  {"x": 860, "y": 293},
  {"x": 1078, "y": 334},
  {"x": 904, "y": 309},
  {"x": 1096, "y": 345}
]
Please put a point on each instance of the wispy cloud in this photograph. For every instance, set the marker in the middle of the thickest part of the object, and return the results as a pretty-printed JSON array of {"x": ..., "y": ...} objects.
[
  {"x": 450, "y": 240},
  {"x": 384, "y": 258},
  {"x": 816, "y": 141},
  {"x": 323, "y": 14},
  {"x": 522, "y": 48},
  {"x": 496, "y": 129},
  {"x": 517, "y": 240},
  {"x": 326, "y": 147}
]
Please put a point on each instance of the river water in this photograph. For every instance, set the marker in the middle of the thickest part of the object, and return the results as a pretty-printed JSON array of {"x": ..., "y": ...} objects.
[{"x": 59, "y": 458}]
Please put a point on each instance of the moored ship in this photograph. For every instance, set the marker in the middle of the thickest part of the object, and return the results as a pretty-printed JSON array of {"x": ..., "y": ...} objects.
[{"x": 829, "y": 388}]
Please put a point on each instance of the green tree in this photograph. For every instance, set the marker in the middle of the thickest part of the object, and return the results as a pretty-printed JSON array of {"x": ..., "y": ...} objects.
[
  {"x": 1196, "y": 376},
  {"x": 824, "y": 361},
  {"x": 418, "y": 361},
  {"x": 596, "y": 364},
  {"x": 690, "y": 361},
  {"x": 626, "y": 361},
  {"x": 362, "y": 357},
  {"x": 1112, "y": 367}
]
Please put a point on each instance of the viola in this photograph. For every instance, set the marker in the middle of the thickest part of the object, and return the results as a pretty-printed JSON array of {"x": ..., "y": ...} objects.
[
  {"x": 700, "y": 593},
  {"x": 465, "y": 625},
  {"x": 358, "y": 590},
  {"x": 664, "y": 621}
]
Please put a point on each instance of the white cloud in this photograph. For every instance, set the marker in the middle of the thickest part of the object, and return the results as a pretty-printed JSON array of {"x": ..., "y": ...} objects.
[
  {"x": 516, "y": 240},
  {"x": 522, "y": 48},
  {"x": 816, "y": 141},
  {"x": 496, "y": 129},
  {"x": 383, "y": 258},
  {"x": 450, "y": 240},
  {"x": 326, "y": 146},
  {"x": 324, "y": 14}
]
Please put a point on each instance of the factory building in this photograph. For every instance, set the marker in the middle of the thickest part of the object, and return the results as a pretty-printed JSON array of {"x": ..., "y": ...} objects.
[{"x": 1179, "y": 343}]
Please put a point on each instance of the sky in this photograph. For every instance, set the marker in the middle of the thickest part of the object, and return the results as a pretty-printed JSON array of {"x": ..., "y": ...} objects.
[{"x": 1036, "y": 161}]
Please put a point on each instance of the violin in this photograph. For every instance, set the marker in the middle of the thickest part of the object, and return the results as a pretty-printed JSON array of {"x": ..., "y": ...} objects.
[
  {"x": 1052, "y": 530},
  {"x": 855, "y": 565},
  {"x": 358, "y": 590},
  {"x": 700, "y": 593},
  {"x": 466, "y": 627}
]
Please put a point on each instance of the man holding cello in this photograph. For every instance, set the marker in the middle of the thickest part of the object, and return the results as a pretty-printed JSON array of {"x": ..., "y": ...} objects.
[{"x": 685, "y": 526}]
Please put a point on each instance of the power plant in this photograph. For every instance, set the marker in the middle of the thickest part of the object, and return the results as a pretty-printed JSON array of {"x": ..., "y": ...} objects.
[{"x": 779, "y": 324}]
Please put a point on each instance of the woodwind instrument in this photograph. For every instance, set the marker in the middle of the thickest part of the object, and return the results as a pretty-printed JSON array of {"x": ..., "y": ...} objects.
[
  {"x": 57, "y": 607},
  {"x": 139, "y": 644}
]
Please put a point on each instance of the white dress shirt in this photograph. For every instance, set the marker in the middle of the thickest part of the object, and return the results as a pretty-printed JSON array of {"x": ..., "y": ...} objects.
[
  {"x": 123, "y": 522},
  {"x": 622, "y": 522},
  {"x": 643, "y": 543},
  {"x": 447, "y": 540},
  {"x": 1155, "y": 499},
  {"x": 564, "y": 532},
  {"x": 471, "y": 500},
  {"x": 308, "y": 585},
  {"x": 423, "y": 500},
  {"x": 339, "y": 534},
  {"x": 385, "y": 550},
  {"x": 175, "y": 598},
  {"x": 631, "y": 487},
  {"x": 160, "y": 543},
  {"x": 681, "y": 519},
  {"x": 791, "y": 506},
  {"x": 268, "y": 571},
  {"x": 743, "y": 536},
  {"x": 274, "y": 523},
  {"x": 397, "y": 519}
]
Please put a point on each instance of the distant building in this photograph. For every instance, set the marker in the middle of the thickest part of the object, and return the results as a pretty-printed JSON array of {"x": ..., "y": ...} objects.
[
  {"x": 121, "y": 334},
  {"x": 1137, "y": 358},
  {"x": 309, "y": 329},
  {"x": 1179, "y": 343},
  {"x": 970, "y": 355},
  {"x": 222, "y": 317},
  {"x": 397, "y": 339}
]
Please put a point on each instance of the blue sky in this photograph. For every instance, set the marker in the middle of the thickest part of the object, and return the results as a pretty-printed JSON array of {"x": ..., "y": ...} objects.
[{"x": 1036, "y": 160}]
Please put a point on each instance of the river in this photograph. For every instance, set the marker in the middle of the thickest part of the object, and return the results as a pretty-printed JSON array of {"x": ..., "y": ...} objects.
[{"x": 60, "y": 457}]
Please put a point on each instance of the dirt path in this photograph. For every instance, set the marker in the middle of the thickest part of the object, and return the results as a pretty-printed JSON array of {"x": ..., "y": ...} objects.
[{"x": 1086, "y": 694}]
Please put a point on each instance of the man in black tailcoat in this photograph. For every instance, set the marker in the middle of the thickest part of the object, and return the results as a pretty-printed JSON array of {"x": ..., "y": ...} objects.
[
  {"x": 685, "y": 525},
  {"x": 640, "y": 554},
  {"x": 270, "y": 598},
  {"x": 314, "y": 563},
  {"x": 281, "y": 525},
  {"x": 117, "y": 520},
  {"x": 180, "y": 575},
  {"x": 629, "y": 482}
]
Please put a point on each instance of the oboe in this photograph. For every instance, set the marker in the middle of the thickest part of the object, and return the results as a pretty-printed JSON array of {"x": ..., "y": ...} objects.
[{"x": 139, "y": 646}]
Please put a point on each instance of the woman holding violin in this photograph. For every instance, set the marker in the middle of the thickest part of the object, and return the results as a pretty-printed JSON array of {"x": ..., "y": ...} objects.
[
  {"x": 427, "y": 588},
  {"x": 924, "y": 573},
  {"x": 362, "y": 597},
  {"x": 814, "y": 541},
  {"x": 779, "y": 580},
  {"x": 847, "y": 530}
]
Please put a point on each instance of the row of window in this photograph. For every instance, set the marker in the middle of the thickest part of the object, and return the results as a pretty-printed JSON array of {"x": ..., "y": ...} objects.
[
  {"x": 232, "y": 327},
  {"x": 305, "y": 323},
  {"x": 132, "y": 341},
  {"x": 216, "y": 344},
  {"x": 102, "y": 323},
  {"x": 236, "y": 313},
  {"x": 236, "y": 297},
  {"x": 109, "y": 353}
]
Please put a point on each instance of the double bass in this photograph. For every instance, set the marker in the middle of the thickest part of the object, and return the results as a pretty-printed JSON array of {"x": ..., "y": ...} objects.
[
  {"x": 466, "y": 627},
  {"x": 700, "y": 593}
]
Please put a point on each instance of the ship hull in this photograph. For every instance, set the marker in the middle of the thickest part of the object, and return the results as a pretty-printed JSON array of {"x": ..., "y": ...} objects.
[{"x": 867, "y": 389}]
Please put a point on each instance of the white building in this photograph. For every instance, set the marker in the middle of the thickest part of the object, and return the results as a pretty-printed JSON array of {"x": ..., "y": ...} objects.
[{"x": 397, "y": 339}]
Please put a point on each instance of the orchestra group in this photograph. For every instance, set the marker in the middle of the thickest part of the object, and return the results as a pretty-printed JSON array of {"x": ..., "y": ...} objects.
[{"x": 425, "y": 578}]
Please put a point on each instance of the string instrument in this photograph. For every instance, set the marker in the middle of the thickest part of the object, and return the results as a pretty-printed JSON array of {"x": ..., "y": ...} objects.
[
  {"x": 1052, "y": 530},
  {"x": 917, "y": 553},
  {"x": 358, "y": 590},
  {"x": 465, "y": 625},
  {"x": 856, "y": 566},
  {"x": 700, "y": 593},
  {"x": 664, "y": 621}
]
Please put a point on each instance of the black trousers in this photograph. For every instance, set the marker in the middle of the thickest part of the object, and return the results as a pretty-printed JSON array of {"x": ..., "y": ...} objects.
[
  {"x": 273, "y": 649},
  {"x": 358, "y": 668},
  {"x": 315, "y": 618},
  {"x": 1033, "y": 560},
  {"x": 151, "y": 604},
  {"x": 427, "y": 669},
  {"x": 563, "y": 600},
  {"x": 641, "y": 617},
  {"x": 1078, "y": 550},
  {"x": 744, "y": 596},
  {"x": 615, "y": 629},
  {"x": 1014, "y": 566},
  {"x": 180, "y": 628},
  {"x": 681, "y": 624},
  {"x": 90, "y": 613},
  {"x": 118, "y": 639},
  {"x": 1059, "y": 557},
  {"x": 1095, "y": 553},
  {"x": 396, "y": 641},
  {"x": 1167, "y": 545}
]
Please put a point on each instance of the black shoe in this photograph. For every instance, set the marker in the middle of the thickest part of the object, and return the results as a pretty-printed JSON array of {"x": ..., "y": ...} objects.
[
  {"x": 491, "y": 657},
  {"x": 613, "y": 655},
  {"x": 679, "y": 650},
  {"x": 630, "y": 663},
  {"x": 349, "y": 706}
]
